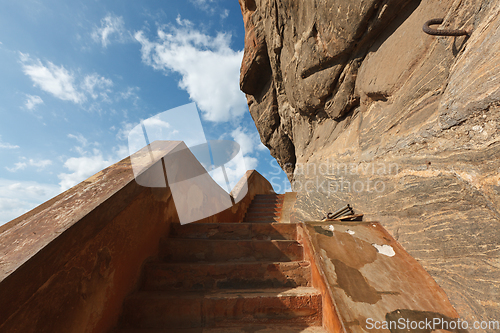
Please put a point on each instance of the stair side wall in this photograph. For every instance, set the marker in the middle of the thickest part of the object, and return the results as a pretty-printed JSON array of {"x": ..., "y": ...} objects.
[{"x": 68, "y": 265}]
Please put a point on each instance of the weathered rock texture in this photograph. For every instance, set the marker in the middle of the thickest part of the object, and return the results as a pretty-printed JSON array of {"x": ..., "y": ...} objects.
[{"x": 359, "y": 105}]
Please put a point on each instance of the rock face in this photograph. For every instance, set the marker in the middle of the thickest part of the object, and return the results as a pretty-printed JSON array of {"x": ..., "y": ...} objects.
[{"x": 358, "y": 105}]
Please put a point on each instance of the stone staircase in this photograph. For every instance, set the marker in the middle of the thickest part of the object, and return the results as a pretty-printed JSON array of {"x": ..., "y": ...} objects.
[
  {"x": 265, "y": 208},
  {"x": 228, "y": 277}
]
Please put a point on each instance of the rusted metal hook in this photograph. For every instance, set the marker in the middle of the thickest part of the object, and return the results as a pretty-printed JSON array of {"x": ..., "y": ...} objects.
[
  {"x": 445, "y": 32},
  {"x": 347, "y": 210}
]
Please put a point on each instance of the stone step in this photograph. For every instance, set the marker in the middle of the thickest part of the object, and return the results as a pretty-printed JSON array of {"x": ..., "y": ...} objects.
[
  {"x": 259, "y": 198},
  {"x": 271, "y": 210},
  {"x": 206, "y": 276},
  {"x": 235, "y": 231},
  {"x": 265, "y": 203},
  {"x": 257, "y": 213},
  {"x": 263, "y": 213},
  {"x": 214, "y": 250},
  {"x": 245, "y": 329},
  {"x": 268, "y": 196},
  {"x": 265, "y": 208},
  {"x": 233, "y": 308},
  {"x": 262, "y": 221},
  {"x": 269, "y": 217}
]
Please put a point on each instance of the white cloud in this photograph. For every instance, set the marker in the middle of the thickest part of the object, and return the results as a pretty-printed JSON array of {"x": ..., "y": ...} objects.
[
  {"x": 121, "y": 152},
  {"x": 18, "y": 197},
  {"x": 40, "y": 164},
  {"x": 201, "y": 2},
  {"x": 205, "y": 5},
  {"x": 224, "y": 14},
  {"x": 112, "y": 28},
  {"x": 209, "y": 67},
  {"x": 245, "y": 141},
  {"x": 33, "y": 101},
  {"x": 53, "y": 79},
  {"x": 129, "y": 94},
  {"x": 5, "y": 145},
  {"x": 80, "y": 138},
  {"x": 210, "y": 7},
  {"x": 87, "y": 165},
  {"x": 17, "y": 166},
  {"x": 251, "y": 163},
  {"x": 235, "y": 169},
  {"x": 124, "y": 131},
  {"x": 261, "y": 146},
  {"x": 81, "y": 168},
  {"x": 155, "y": 124},
  {"x": 62, "y": 83},
  {"x": 249, "y": 142},
  {"x": 94, "y": 81}
]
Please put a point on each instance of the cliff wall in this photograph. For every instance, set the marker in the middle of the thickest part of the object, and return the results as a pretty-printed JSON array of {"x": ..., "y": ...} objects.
[{"x": 359, "y": 105}]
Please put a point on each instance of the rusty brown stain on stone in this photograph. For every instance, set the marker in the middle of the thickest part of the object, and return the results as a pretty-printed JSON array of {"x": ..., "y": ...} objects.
[
  {"x": 354, "y": 283},
  {"x": 345, "y": 248},
  {"x": 365, "y": 283},
  {"x": 349, "y": 254}
]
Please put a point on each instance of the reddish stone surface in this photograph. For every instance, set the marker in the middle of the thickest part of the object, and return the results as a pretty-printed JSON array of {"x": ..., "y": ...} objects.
[
  {"x": 62, "y": 259},
  {"x": 332, "y": 321},
  {"x": 265, "y": 208},
  {"x": 68, "y": 264},
  {"x": 365, "y": 273},
  {"x": 209, "y": 250},
  {"x": 205, "y": 276},
  {"x": 224, "y": 275},
  {"x": 235, "y": 231},
  {"x": 223, "y": 308}
]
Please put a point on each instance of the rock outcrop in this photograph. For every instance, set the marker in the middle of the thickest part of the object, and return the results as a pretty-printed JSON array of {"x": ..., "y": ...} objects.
[{"x": 358, "y": 105}]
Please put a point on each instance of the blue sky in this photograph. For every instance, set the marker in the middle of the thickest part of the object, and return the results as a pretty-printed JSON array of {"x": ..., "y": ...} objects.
[{"x": 77, "y": 76}]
